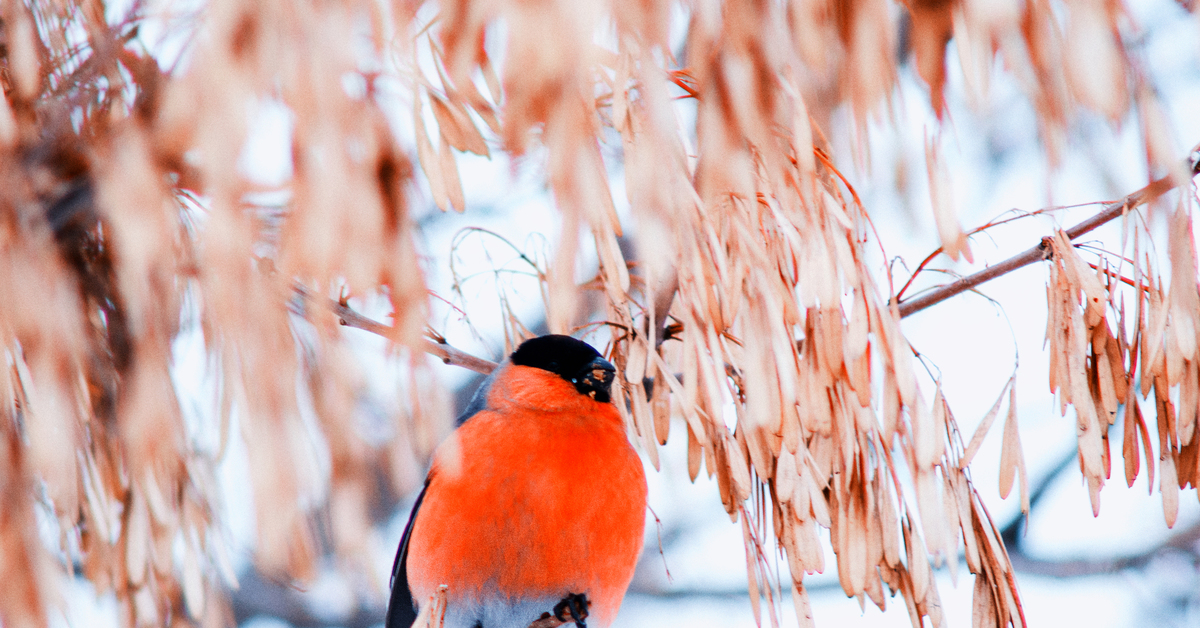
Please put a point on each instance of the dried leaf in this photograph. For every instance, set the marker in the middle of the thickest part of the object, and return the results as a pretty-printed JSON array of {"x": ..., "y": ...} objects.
[
  {"x": 489, "y": 76},
  {"x": 193, "y": 580},
  {"x": 1146, "y": 446},
  {"x": 984, "y": 425},
  {"x": 983, "y": 608},
  {"x": 918, "y": 564},
  {"x": 1116, "y": 363},
  {"x": 1103, "y": 374},
  {"x": 856, "y": 543},
  {"x": 1169, "y": 487},
  {"x": 1010, "y": 452},
  {"x": 929, "y": 500},
  {"x": 931, "y": 31},
  {"x": 739, "y": 469},
  {"x": 954, "y": 241},
  {"x": 1189, "y": 396},
  {"x": 1129, "y": 444},
  {"x": 430, "y": 163},
  {"x": 137, "y": 539},
  {"x": 695, "y": 455},
  {"x": 456, "y": 127},
  {"x": 1095, "y": 65},
  {"x": 804, "y": 612},
  {"x": 660, "y": 406},
  {"x": 971, "y": 549},
  {"x": 449, "y": 170}
]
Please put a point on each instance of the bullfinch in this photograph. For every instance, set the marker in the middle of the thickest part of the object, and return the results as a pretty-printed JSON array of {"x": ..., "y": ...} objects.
[{"x": 534, "y": 507}]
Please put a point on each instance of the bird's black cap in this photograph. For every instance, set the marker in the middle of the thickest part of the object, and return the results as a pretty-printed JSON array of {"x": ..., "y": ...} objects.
[{"x": 573, "y": 360}]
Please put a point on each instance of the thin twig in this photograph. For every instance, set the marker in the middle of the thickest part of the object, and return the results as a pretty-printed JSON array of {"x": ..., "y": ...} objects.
[
  {"x": 1039, "y": 252},
  {"x": 1118, "y": 276},
  {"x": 435, "y": 345}
]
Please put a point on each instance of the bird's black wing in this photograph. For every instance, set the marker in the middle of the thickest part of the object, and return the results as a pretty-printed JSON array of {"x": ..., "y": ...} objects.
[{"x": 401, "y": 611}]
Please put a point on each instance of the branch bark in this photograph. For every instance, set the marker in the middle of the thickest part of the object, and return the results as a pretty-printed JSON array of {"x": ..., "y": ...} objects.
[
  {"x": 1039, "y": 252},
  {"x": 1183, "y": 541},
  {"x": 434, "y": 344},
  {"x": 257, "y": 596}
]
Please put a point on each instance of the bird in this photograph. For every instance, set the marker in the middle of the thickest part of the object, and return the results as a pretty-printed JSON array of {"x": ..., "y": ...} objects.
[{"x": 534, "y": 507}]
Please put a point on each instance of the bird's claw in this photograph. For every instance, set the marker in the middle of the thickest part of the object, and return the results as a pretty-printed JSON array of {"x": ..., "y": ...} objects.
[{"x": 576, "y": 606}]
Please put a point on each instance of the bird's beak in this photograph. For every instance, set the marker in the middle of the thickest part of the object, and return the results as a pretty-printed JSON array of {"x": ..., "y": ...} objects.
[{"x": 596, "y": 378}]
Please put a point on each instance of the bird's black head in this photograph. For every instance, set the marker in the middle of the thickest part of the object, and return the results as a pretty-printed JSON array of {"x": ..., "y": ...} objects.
[{"x": 573, "y": 360}]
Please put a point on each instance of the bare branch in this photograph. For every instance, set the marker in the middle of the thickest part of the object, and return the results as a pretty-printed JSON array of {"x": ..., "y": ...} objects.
[
  {"x": 1184, "y": 540},
  {"x": 1039, "y": 252},
  {"x": 257, "y": 596},
  {"x": 457, "y": 357},
  {"x": 436, "y": 345}
]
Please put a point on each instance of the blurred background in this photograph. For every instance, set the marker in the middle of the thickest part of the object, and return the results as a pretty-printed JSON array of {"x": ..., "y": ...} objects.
[{"x": 1122, "y": 568}]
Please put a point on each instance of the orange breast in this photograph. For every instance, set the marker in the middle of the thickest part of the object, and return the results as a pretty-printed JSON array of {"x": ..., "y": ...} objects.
[{"x": 537, "y": 496}]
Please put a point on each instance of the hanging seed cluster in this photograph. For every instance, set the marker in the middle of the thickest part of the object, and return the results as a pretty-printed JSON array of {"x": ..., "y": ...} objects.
[
  {"x": 126, "y": 218},
  {"x": 1152, "y": 351}
]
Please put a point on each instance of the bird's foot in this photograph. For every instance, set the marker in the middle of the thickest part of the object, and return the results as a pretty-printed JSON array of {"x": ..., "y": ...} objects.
[{"x": 576, "y": 606}]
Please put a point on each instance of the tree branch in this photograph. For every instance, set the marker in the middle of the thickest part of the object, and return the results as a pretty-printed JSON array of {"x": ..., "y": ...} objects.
[
  {"x": 1183, "y": 540},
  {"x": 257, "y": 596},
  {"x": 1113, "y": 210},
  {"x": 437, "y": 345},
  {"x": 434, "y": 345}
]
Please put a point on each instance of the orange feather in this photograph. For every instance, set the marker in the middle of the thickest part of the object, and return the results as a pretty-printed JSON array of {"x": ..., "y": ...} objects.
[{"x": 536, "y": 496}]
